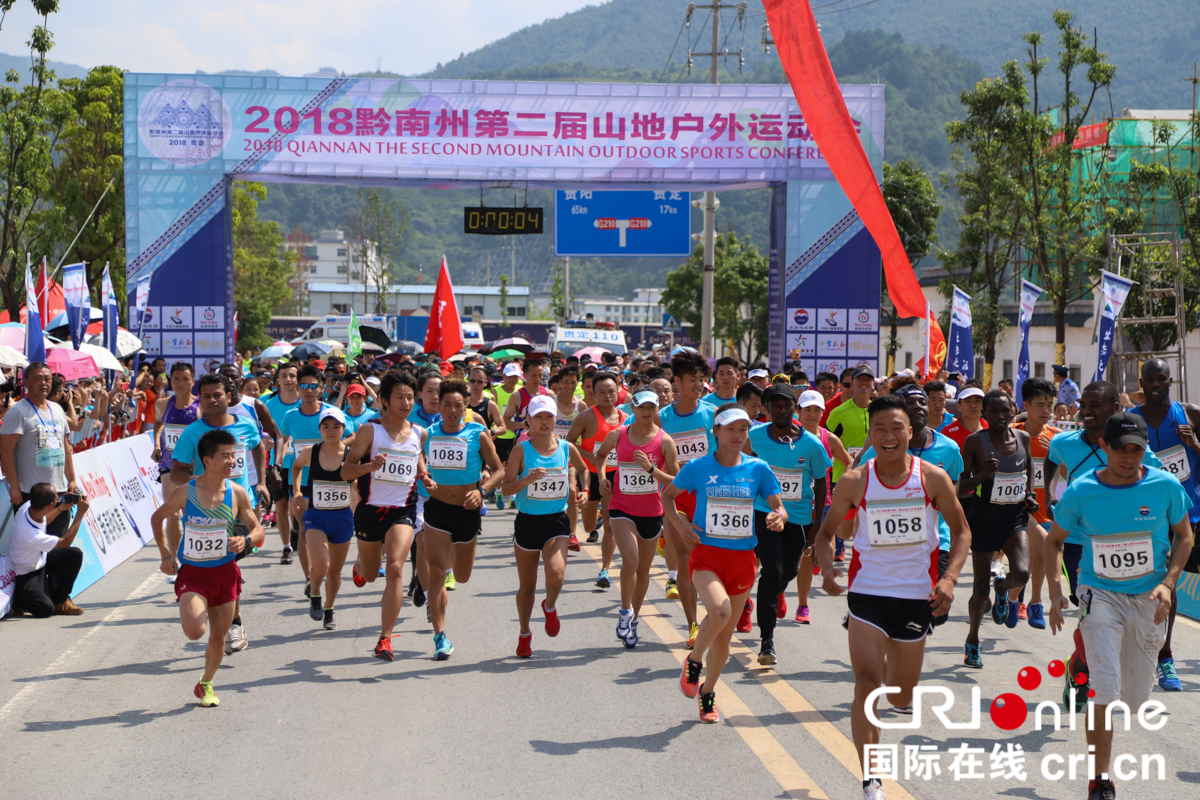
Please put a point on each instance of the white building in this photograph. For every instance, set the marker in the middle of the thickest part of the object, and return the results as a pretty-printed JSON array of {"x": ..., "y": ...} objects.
[
  {"x": 331, "y": 258},
  {"x": 645, "y": 307},
  {"x": 340, "y": 298}
]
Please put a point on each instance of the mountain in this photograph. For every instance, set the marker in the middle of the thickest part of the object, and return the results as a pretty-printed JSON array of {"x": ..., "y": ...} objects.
[{"x": 21, "y": 64}]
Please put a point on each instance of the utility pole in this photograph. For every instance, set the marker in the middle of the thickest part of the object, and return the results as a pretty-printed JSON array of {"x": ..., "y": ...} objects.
[
  {"x": 566, "y": 290},
  {"x": 513, "y": 249},
  {"x": 710, "y": 202}
]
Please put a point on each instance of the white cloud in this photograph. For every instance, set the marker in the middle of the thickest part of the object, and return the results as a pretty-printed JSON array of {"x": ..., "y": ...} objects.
[{"x": 293, "y": 38}]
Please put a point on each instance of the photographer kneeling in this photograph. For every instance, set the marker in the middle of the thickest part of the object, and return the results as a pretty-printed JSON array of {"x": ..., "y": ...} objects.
[{"x": 46, "y": 565}]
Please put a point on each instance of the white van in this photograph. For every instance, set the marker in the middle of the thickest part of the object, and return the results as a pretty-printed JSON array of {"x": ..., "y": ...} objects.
[
  {"x": 472, "y": 336},
  {"x": 576, "y": 335},
  {"x": 337, "y": 326}
]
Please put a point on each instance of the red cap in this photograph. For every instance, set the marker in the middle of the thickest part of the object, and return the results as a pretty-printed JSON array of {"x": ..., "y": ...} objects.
[
  {"x": 447, "y": 368},
  {"x": 319, "y": 364},
  {"x": 354, "y": 389}
]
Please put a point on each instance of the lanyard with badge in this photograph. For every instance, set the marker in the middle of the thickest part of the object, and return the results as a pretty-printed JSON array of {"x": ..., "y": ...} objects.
[{"x": 50, "y": 450}]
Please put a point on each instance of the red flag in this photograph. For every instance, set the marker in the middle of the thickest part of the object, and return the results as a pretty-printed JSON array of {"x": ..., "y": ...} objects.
[
  {"x": 444, "y": 335},
  {"x": 816, "y": 88},
  {"x": 935, "y": 350}
]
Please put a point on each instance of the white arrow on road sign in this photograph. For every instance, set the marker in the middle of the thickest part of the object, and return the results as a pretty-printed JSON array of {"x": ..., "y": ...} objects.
[{"x": 621, "y": 225}]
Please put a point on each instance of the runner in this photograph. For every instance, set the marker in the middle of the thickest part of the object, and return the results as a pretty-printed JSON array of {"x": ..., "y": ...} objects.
[
  {"x": 483, "y": 407},
  {"x": 567, "y": 408},
  {"x": 893, "y": 596},
  {"x": 938, "y": 416},
  {"x": 540, "y": 472},
  {"x": 689, "y": 423},
  {"x": 721, "y": 563},
  {"x": 172, "y": 415},
  {"x": 503, "y": 392},
  {"x": 1172, "y": 428},
  {"x": 997, "y": 462},
  {"x": 455, "y": 451},
  {"x": 424, "y": 415},
  {"x": 514, "y": 411},
  {"x": 725, "y": 382},
  {"x": 208, "y": 581},
  {"x": 1136, "y": 542},
  {"x": 800, "y": 463},
  {"x": 848, "y": 422},
  {"x": 387, "y": 464},
  {"x": 646, "y": 459},
  {"x": 970, "y": 406},
  {"x": 323, "y": 499},
  {"x": 812, "y": 408},
  {"x": 285, "y": 398},
  {"x": 590, "y": 430},
  {"x": 1037, "y": 397}
]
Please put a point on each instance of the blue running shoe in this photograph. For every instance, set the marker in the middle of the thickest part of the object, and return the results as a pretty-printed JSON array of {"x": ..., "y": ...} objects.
[
  {"x": 1013, "y": 617},
  {"x": 483, "y": 509},
  {"x": 623, "y": 620},
  {"x": 602, "y": 580},
  {"x": 1000, "y": 607},
  {"x": 631, "y": 639},
  {"x": 971, "y": 657},
  {"x": 441, "y": 647},
  {"x": 1037, "y": 618},
  {"x": 1168, "y": 678}
]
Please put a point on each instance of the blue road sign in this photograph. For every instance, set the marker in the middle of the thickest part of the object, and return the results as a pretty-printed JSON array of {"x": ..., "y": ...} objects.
[
  {"x": 594, "y": 223},
  {"x": 670, "y": 324}
]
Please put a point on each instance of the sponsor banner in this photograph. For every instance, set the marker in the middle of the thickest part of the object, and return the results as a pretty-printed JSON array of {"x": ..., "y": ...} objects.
[
  {"x": 8, "y": 578},
  {"x": 1029, "y": 297},
  {"x": 961, "y": 358},
  {"x": 1115, "y": 289}
]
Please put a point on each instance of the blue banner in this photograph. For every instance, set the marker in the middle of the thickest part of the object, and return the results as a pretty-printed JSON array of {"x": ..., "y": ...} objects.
[
  {"x": 109, "y": 300},
  {"x": 35, "y": 343},
  {"x": 961, "y": 353},
  {"x": 1029, "y": 297},
  {"x": 75, "y": 295},
  {"x": 1115, "y": 289}
]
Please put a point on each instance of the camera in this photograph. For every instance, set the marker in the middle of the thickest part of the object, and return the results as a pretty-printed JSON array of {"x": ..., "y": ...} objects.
[{"x": 70, "y": 498}]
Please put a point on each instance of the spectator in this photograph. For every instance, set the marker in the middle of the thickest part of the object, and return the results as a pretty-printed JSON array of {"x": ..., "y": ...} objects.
[
  {"x": 46, "y": 565},
  {"x": 34, "y": 444},
  {"x": 1068, "y": 390}
]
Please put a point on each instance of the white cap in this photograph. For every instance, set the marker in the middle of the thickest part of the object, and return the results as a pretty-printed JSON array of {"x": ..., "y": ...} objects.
[
  {"x": 811, "y": 398},
  {"x": 970, "y": 391},
  {"x": 645, "y": 397},
  {"x": 542, "y": 404},
  {"x": 950, "y": 391},
  {"x": 373, "y": 380},
  {"x": 758, "y": 373},
  {"x": 731, "y": 415},
  {"x": 511, "y": 369},
  {"x": 336, "y": 413}
]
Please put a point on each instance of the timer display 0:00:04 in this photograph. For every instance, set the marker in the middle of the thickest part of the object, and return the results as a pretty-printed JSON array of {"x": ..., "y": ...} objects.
[{"x": 502, "y": 221}]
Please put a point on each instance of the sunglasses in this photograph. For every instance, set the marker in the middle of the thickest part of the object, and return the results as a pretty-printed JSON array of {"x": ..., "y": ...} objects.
[
  {"x": 846, "y": 385},
  {"x": 477, "y": 382},
  {"x": 310, "y": 386}
]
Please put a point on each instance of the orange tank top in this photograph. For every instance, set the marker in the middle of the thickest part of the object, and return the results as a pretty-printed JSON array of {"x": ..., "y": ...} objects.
[{"x": 592, "y": 443}]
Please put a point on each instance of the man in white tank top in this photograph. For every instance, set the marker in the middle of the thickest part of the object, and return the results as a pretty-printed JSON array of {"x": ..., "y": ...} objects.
[{"x": 893, "y": 588}]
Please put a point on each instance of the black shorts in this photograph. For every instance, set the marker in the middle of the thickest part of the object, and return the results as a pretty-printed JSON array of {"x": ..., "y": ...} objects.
[
  {"x": 532, "y": 532},
  {"x": 990, "y": 530},
  {"x": 371, "y": 523},
  {"x": 504, "y": 447},
  {"x": 647, "y": 527},
  {"x": 901, "y": 620},
  {"x": 594, "y": 485},
  {"x": 284, "y": 492},
  {"x": 462, "y": 524}
]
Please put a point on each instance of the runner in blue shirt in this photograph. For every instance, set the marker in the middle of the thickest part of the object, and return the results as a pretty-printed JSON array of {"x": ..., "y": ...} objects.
[
  {"x": 297, "y": 430},
  {"x": 284, "y": 399}
]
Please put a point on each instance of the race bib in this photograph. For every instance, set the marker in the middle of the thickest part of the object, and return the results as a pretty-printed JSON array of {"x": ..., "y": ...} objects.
[
  {"x": 399, "y": 466},
  {"x": 690, "y": 445},
  {"x": 50, "y": 452},
  {"x": 635, "y": 480},
  {"x": 551, "y": 486},
  {"x": 205, "y": 541},
  {"x": 853, "y": 452},
  {"x": 791, "y": 483},
  {"x": 170, "y": 436},
  {"x": 1175, "y": 461},
  {"x": 610, "y": 461},
  {"x": 560, "y": 431},
  {"x": 896, "y": 522},
  {"x": 1039, "y": 473},
  {"x": 330, "y": 495},
  {"x": 298, "y": 445},
  {"x": 729, "y": 518},
  {"x": 1126, "y": 557},
  {"x": 239, "y": 463},
  {"x": 1008, "y": 488},
  {"x": 447, "y": 452}
]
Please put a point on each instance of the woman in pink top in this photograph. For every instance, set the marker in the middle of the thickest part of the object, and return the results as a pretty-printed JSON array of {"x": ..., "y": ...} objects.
[{"x": 646, "y": 459}]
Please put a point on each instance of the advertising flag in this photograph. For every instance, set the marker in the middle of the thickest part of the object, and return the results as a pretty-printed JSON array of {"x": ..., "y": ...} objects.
[
  {"x": 444, "y": 336},
  {"x": 1115, "y": 289},
  {"x": 109, "y": 305},
  {"x": 75, "y": 295},
  {"x": 935, "y": 347},
  {"x": 35, "y": 344},
  {"x": 354, "y": 346},
  {"x": 961, "y": 351},
  {"x": 142, "y": 298},
  {"x": 1029, "y": 297}
]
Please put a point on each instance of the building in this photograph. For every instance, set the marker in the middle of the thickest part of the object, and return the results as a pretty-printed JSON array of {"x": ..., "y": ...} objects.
[
  {"x": 340, "y": 298},
  {"x": 331, "y": 258},
  {"x": 644, "y": 308}
]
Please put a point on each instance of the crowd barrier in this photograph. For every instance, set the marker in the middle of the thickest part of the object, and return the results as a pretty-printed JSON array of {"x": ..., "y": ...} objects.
[{"x": 120, "y": 480}]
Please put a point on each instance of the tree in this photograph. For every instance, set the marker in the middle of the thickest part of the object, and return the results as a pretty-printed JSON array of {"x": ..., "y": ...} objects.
[
  {"x": 378, "y": 228},
  {"x": 261, "y": 266},
  {"x": 912, "y": 201},
  {"x": 503, "y": 301},
  {"x": 740, "y": 298},
  {"x": 558, "y": 300}
]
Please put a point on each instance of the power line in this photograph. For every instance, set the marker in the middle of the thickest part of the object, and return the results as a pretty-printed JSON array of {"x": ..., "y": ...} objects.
[
  {"x": 667, "y": 66},
  {"x": 850, "y": 8}
]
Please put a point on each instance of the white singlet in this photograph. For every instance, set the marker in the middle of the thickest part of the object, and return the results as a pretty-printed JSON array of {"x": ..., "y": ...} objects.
[{"x": 393, "y": 484}]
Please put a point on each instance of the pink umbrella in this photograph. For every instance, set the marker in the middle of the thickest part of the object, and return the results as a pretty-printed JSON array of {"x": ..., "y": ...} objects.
[
  {"x": 72, "y": 364},
  {"x": 594, "y": 352},
  {"x": 13, "y": 335}
]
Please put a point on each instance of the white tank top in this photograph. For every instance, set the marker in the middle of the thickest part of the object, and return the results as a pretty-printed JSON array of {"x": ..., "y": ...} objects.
[
  {"x": 393, "y": 483},
  {"x": 896, "y": 543},
  {"x": 563, "y": 422}
]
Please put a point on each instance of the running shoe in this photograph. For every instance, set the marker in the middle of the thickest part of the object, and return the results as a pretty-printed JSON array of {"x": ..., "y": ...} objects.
[
  {"x": 593, "y": 537},
  {"x": 483, "y": 509},
  {"x": 553, "y": 626},
  {"x": 382, "y": 571},
  {"x": 744, "y": 625},
  {"x": 661, "y": 547},
  {"x": 418, "y": 595},
  {"x": 838, "y": 559},
  {"x": 623, "y": 620},
  {"x": 1168, "y": 678},
  {"x": 1014, "y": 614},
  {"x": 573, "y": 543},
  {"x": 873, "y": 790},
  {"x": 287, "y": 555},
  {"x": 708, "y": 708},
  {"x": 1076, "y": 667},
  {"x": 314, "y": 607},
  {"x": 383, "y": 649},
  {"x": 171, "y": 580},
  {"x": 525, "y": 645},
  {"x": 204, "y": 691},
  {"x": 450, "y": 582},
  {"x": 631, "y": 639},
  {"x": 781, "y": 608},
  {"x": 693, "y": 632},
  {"x": 766, "y": 653},
  {"x": 1022, "y": 611},
  {"x": 1000, "y": 606},
  {"x": 802, "y": 615},
  {"x": 689, "y": 679},
  {"x": 1036, "y": 618},
  {"x": 235, "y": 640},
  {"x": 672, "y": 589},
  {"x": 602, "y": 581},
  {"x": 441, "y": 647},
  {"x": 359, "y": 580},
  {"x": 1100, "y": 789},
  {"x": 971, "y": 657},
  {"x": 329, "y": 624}
]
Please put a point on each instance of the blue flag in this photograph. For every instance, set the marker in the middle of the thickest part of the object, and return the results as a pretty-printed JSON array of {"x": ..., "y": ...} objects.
[
  {"x": 35, "y": 343},
  {"x": 75, "y": 295},
  {"x": 961, "y": 358},
  {"x": 1115, "y": 289},
  {"x": 1029, "y": 297},
  {"x": 109, "y": 301}
]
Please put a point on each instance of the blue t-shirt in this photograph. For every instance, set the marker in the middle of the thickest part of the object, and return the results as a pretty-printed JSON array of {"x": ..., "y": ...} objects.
[
  {"x": 244, "y": 429},
  {"x": 454, "y": 458},
  {"x": 685, "y": 429},
  {"x": 279, "y": 410},
  {"x": 550, "y": 494},
  {"x": 353, "y": 423},
  {"x": 943, "y": 453},
  {"x": 1178, "y": 459},
  {"x": 1071, "y": 450},
  {"x": 795, "y": 465},
  {"x": 725, "y": 498},
  {"x": 716, "y": 402},
  {"x": 305, "y": 431},
  {"x": 418, "y": 416},
  {"x": 1123, "y": 529},
  {"x": 947, "y": 418}
]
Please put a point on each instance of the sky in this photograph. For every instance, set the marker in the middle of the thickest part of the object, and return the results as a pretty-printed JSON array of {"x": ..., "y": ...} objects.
[{"x": 292, "y": 37}]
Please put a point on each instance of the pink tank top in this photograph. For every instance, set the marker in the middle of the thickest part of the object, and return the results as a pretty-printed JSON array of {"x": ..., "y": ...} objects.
[
  {"x": 828, "y": 472},
  {"x": 634, "y": 491}
]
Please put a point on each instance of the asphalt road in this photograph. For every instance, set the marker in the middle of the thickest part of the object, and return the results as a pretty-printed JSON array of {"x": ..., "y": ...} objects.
[{"x": 101, "y": 705}]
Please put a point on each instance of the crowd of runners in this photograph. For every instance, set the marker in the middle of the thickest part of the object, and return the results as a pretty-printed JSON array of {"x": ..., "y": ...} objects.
[{"x": 748, "y": 485}]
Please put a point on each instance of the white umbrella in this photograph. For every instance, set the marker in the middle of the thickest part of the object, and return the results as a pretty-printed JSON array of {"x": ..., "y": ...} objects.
[
  {"x": 103, "y": 358},
  {"x": 11, "y": 357},
  {"x": 277, "y": 350},
  {"x": 127, "y": 343}
]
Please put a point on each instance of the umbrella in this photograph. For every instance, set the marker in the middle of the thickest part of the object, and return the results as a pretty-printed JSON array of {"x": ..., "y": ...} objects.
[
  {"x": 406, "y": 346},
  {"x": 101, "y": 355},
  {"x": 505, "y": 355},
  {"x": 12, "y": 357},
  {"x": 461, "y": 357},
  {"x": 72, "y": 364},
  {"x": 593, "y": 351},
  {"x": 372, "y": 347},
  {"x": 375, "y": 336},
  {"x": 303, "y": 351},
  {"x": 61, "y": 321},
  {"x": 277, "y": 350},
  {"x": 13, "y": 335},
  {"x": 127, "y": 343},
  {"x": 683, "y": 348},
  {"x": 515, "y": 343}
]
